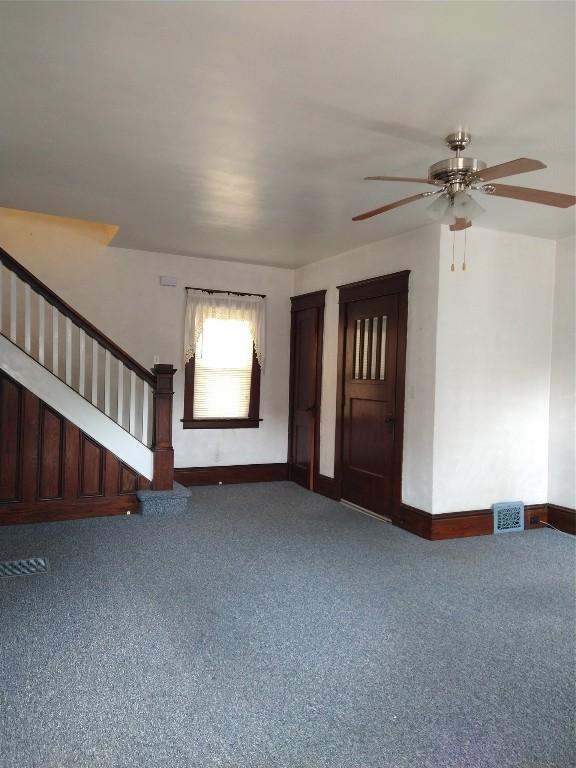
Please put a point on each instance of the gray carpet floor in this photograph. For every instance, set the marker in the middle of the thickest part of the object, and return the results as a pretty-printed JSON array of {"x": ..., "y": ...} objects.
[{"x": 268, "y": 627}]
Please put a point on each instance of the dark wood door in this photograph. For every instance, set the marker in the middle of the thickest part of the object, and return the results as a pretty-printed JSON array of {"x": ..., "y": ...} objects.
[
  {"x": 369, "y": 403},
  {"x": 305, "y": 379}
]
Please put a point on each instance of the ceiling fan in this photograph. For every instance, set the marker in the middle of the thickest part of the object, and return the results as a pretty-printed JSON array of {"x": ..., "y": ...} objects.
[{"x": 457, "y": 177}]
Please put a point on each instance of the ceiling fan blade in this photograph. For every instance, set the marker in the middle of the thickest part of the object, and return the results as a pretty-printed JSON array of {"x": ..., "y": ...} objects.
[
  {"x": 399, "y": 178},
  {"x": 460, "y": 224},
  {"x": 557, "y": 199},
  {"x": 513, "y": 167},
  {"x": 390, "y": 206}
]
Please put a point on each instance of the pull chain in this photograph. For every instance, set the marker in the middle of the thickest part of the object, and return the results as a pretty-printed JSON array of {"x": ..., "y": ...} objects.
[
  {"x": 464, "y": 261},
  {"x": 453, "y": 245}
]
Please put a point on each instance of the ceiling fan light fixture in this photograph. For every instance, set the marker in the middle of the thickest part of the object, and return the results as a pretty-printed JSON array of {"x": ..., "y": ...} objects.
[
  {"x": 439, "y": 208},
  {"x": 465, "y": 207},
  {"x": 449, "y": 217}
]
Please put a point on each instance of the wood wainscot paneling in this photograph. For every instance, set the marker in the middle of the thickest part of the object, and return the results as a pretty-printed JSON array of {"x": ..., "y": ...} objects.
[
  {"x": 11, "y": 404},
  {"x": 50, "y": 454},
  {"x": 241, "y": 473},
  {"x": 51, "y": 470},
  {"x": 91, "y": 467}
]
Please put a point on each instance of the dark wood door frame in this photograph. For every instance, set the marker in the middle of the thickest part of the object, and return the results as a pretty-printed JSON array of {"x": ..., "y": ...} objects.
[
  {"x": 316, "y": 299},
  {"x": 396, "y": 283}
]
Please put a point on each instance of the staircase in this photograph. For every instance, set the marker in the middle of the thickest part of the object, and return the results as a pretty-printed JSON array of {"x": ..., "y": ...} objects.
[{"x": 83, "y": 426}]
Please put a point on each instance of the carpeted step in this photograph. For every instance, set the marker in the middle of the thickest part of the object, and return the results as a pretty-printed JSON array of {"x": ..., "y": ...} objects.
[{"x": 164, "y": 503}]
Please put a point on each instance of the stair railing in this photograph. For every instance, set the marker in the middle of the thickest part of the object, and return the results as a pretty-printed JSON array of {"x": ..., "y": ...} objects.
[{"x": 58, "y": 337}]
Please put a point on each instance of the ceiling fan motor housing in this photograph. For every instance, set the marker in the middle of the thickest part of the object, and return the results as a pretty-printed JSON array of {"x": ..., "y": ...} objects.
[{"x": 456, "y": 171}]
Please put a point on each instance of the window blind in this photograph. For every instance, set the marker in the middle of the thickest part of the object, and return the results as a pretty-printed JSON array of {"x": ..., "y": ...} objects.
[{"x": 223, "y": 370}]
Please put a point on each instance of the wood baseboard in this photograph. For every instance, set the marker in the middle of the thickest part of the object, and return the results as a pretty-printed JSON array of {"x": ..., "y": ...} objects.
[
  {"x": 414, "y": 520},
  {"x": 240, "y": 473},
  {"x": 456, "y": 525},
  {"x": 563, "y": 518},
  {"x": 326, "y": 486},
  {"x": 57, "y": 509}
]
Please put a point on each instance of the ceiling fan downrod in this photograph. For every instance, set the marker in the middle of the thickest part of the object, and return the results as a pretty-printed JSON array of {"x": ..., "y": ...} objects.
[{"x": 458, "y": 141}]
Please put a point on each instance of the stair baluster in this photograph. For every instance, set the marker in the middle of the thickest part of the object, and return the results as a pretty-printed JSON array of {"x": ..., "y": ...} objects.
[{"x": 34, "y": 325}]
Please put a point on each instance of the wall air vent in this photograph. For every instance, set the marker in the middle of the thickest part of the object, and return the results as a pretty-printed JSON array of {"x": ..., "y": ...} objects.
[
  {"x": 24, "y": 567},
  {"x": 508, "y": 516}
]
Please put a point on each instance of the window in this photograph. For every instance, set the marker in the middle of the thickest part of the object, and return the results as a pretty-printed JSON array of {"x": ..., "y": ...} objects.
[
  {"x": 222, "y": 377},
  {"x": 370, "y": 348}
]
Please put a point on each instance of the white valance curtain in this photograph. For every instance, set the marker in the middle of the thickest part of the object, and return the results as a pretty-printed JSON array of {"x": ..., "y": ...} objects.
[{"x": 202, "y": 306}]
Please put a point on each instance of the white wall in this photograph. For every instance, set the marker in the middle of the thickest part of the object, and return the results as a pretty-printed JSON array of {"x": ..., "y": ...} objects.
[
  {"x": 490, "y": 379},
  {"x": 562, "y": 446},
  {"x": 418, "y": 252},
  {"x": 118, "y": 290},
  {"x": 492, "y": 371}
]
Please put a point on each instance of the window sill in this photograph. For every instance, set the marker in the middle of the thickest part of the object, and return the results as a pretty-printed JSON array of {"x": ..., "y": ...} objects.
[{"x": 220, "y": 423}]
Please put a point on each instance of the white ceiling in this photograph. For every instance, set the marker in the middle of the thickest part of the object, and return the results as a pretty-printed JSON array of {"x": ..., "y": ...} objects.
[{"x": 242, "y": 130}]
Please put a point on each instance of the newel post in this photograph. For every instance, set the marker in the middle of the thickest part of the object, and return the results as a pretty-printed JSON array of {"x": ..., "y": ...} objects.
[{"x": 162, "y": 439}]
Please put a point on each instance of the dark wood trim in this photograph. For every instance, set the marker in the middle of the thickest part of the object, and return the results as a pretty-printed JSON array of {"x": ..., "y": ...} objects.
[
  {"x": 39, "y": 287},
  {"x": 539, "y": 511},
  {"x": 52, "y": 455},
  {"x": 86, "y": 464},
  {"x": 29, "y": 425},
  {"x": 340, "y": 376},
  {"x": 414, "y": 520},
  {"x": 318, "y": 412},
  {"x": 458, "y": 526},
  {"x": 375, "y": 287},
  {"x": 327, "y": 486},
  {"x": 253, "y": 420},
  {"x": 313, "y": 300},
  {"x": 400, "y": 395},
  {"x": 394, "y": 284},
  {"x": 163, "y": 459},
  {"x": 308, "y": 301},
  {"x": 12, "y": 403},
  {"x": 563, "y": 518},
  {"x": 240, "y": 473},
  {"x": 455, "y": 525},
  {"x": 220, "y": 423},
  {"x": 56, "y": 509}
]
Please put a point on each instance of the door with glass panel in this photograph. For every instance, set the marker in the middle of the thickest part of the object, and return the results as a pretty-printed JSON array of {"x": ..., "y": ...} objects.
[{"x": 369, "y": 403}]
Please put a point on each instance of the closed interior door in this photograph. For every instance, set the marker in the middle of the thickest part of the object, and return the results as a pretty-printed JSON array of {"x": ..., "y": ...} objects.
[
  {"x": 369, "y": 403},
  {"x": 305, "y": 383}
]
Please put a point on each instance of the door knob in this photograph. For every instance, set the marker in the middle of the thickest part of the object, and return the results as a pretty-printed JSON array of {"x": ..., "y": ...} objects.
[
  {"x": 311, "y": 407},
  {"x": 390, "y": 420}
]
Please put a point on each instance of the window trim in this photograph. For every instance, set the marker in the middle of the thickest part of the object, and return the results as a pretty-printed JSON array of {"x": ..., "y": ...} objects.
[{"x": 252, "y": 421}]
